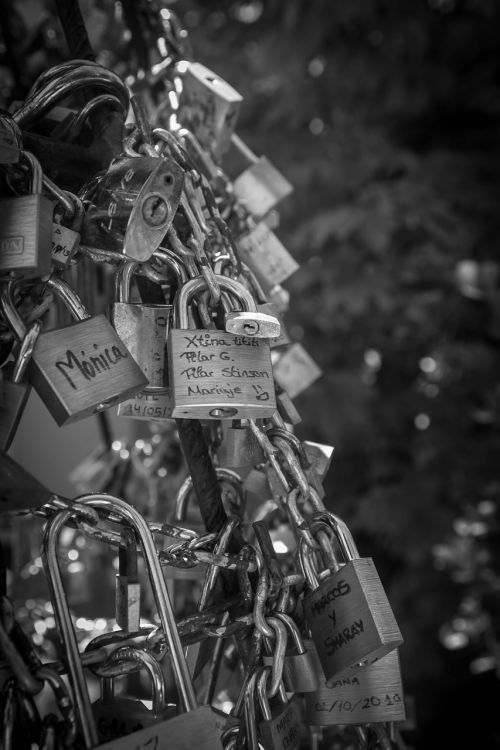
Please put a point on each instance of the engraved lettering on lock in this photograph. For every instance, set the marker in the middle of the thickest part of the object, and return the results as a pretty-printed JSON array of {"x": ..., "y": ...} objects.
[
  {"x": 319, "y": 605},
  {"x": 335, "y": 642},
  {"x": 91, "y": 367},
  {"x": 12, "y": 246},
  {"x": 285, "y": 720}
]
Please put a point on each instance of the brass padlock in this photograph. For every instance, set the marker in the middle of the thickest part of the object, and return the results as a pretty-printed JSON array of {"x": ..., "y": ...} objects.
[
  {"x": 266, "y": 257},
  {"x": 280, "y": 727},
  {"x": 118, "y": 716},
  {"x": 209, "y": 107},
  {"x": 350, "y": 618},
  {"x": 130, "y": 207},
  {"x": 215, "y": 374},
  {"x": 16, "y": 391},
  {"x": 372, "y": 694},
  {"x": 26, "y": 227},
  {"x": 79, "y": 369}
]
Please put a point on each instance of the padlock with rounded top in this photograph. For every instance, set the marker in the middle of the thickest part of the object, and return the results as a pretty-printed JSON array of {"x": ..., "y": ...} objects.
[
  {"x": 26, "y": 227},
  {"x": 215, "y": 374},
  {"x": 143, "y": 328},
  {"x": 117, "y": 715},
  {"x": 131, "y": 205},
  {"x": 299, "y": 668},
  {"x": 80, "y": 369},
  {"x": 369, "y": 695},
  {"x": 280, "y": 726},
  {"x": 249, "y": 321},
  {"x": 348, "y": 613}
]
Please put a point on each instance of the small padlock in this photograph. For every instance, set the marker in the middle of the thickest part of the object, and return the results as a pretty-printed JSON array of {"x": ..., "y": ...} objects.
[
  {"x": 66, "y": 231},
  {"x": 295, "y": 370},
  {"x": 143, "y": 328},
  {"x": 79, "y": 369},
  {"x": 373, "y": 694},
  {"x": 286, "y": 407},
  {"x": 128, "y": 587},
  {"x": 300, "y": 673},
  {"x": 26, "y": 227},
  {"x": 130, "y": 207},
  {"x": 319, "y": 455},
  {"x": 280, "y": 727},
  {"x": 118, "y": 716},
  {"x": 250, "y": 321},
  {"x": 261, "y": 187},
  {"x": 350, "y": 618},
  {"x": 266, "y": 257},
  {"x": 209, "y": 107},
  {"x": 239, "y": 446},
  {"x": 16, "y": 391},
  {"x": 215, "y": 374}
]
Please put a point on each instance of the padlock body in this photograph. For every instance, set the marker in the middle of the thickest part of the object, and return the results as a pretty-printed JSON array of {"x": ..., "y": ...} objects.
[
  {"x": 26, "y": 235},
  {"x": 144, "y": 330},
  {"x": 219, "y": 375},
  {"x": 265, "y": 255},
  {"x": 120, "y": 716},
  {"x": 195, "y": 729},
  {"x": 83, "y": 368},
  {"x": 155, "y": 406},
  {"x": 65, "y": 243},
  {"x": 261, "y": 187},
  {"x": 299, "y": 671},
  {"x": 372, "y": 694},
  {"x": 239, "y": 448},
  {"x": 282, "y": 732},
  {"x": 296, "y": 370},
  {"x": 350, "y": 618},
  {"x": 11, "y": 410}
]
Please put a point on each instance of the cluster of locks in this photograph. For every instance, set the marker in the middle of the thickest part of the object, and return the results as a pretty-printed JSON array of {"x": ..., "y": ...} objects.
[{"x": 283, "y": 630}]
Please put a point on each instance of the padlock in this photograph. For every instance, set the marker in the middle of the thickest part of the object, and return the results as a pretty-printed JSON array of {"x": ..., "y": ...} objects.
[
  {"x": 130, "y": 207},
  {"x": 26, "y": 227},
  {"x": 261, "y": 187},
  {"x": 373, "y": 694},
  {"x": 66, "y": 232},
  {"x": 215, "y": 374},
  {"x": 79, "y": 369},
  {"x": 209, "y": 107},
  {"x": 118, "y": 716},
  {"x": 300, "y": 673},
  {"x": 239, "y": 446},
  {"x": 128, "y": 587},
  {"x": 350, "y": 618},
  {"x": 16, "y": 392},
  {"x": 266, "y": 257},
  {"x": 319, "y": 455},
  {"x": 280, "y": 727},
  {"x": 286, "y": 407},
  {"x": 295, "y": 370},
  {"x": 249, "y": 321}
]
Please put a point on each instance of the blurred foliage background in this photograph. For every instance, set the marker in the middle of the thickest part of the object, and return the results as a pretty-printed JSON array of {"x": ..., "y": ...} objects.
[{"x": 385, "y": 117}]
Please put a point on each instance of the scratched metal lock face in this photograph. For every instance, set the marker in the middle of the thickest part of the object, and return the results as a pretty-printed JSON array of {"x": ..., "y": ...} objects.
[
  {"x": 372, "y": 694},
  {"x": 130, "y": 207},
  {"x": 350, "y": 619}
]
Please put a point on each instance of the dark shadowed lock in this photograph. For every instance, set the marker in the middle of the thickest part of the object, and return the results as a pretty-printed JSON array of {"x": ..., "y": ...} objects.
[
  {"x": 299, "y": 667},
  {"x": 79, "y": 369},
  {"x": 26, "y": 227},
  {"x": 116, "y": 715},
  {"x": 280, "y": 726},
  {"x": 130, "y": 207},
  {"x": 215, "y": 374},
  {"x": 143, "y": 328},
  {"x": 348, "y": 613},
  {"x": 372, "y": 694}
]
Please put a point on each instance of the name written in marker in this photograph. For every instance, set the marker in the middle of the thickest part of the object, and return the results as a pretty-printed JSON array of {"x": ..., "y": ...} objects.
[{"x": 89, "y": 366}]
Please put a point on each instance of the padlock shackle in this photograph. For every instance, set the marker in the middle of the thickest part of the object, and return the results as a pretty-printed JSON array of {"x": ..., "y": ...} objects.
[
  {"x": 153, "y": 668},
  {"x": 190, "y": 288},
  {"x": 114, "y": 506},
  {"x": 69, "y": 297},
  {"x": 10, "y": 313},
  {"x": 123, "y": 280},
  {"x": 342, "y": 534},
  {"x": 307, "y": 565},
  {"x": 293, "y": 629},
  {"x": 36, "y": 172},
  {"x": 181, "y": 501}
]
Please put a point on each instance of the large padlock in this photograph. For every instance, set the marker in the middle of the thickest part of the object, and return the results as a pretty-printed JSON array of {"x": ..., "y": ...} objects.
[
  {"x": 117, "y": 715},
  {"x": 280, "y": 727},
  {"x": 26, "y": 227},
  {"x": 348, "y": 613},
  {"x": 373, "y": 694},
  {"x": 77, "y": 370},
  {"x": 300, "y": 674},
  {"x": 209, "y": 107},
  {"x": 143, "y": 328},
  {"x": 130, "y": 207},
  {"x": 265, "y": 255},
  {"x": 16, "y": 391},
  {"x": 215, "y": 374}
]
